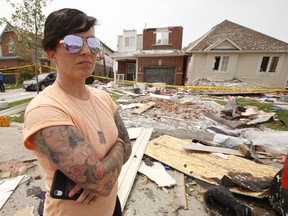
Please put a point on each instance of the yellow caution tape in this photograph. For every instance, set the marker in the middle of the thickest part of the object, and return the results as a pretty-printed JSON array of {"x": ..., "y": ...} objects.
[
  {"x": 17, "y": 67},
  {"x": 199, "y": 88}
]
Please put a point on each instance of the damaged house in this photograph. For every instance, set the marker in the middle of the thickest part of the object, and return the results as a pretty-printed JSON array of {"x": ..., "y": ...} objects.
[
  {"x": 154, "y": 56},
  {"x": 231, "y": 51}
]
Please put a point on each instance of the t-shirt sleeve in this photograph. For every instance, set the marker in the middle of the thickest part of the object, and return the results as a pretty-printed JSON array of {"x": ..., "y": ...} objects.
[{"x": 42, "y": 117}]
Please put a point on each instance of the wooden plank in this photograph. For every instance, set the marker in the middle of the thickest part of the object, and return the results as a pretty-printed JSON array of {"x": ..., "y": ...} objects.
[
  {"x": 218, "y": 119},
  {"x": 205, "y": 166},
  {"x": 144, "y": 108},
  {"x": 195, "y": 147},
  {"x": 180, "y": 199},
  {"x": 130, "y": 168}
]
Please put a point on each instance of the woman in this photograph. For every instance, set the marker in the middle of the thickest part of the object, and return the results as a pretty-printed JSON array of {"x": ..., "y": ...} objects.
[{"x": 73, "y": 127}]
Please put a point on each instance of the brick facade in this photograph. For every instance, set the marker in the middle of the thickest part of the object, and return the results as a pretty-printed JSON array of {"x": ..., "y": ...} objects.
[
  {"x": 155, "y": 61},
  {"x": 175, "y": 39}
]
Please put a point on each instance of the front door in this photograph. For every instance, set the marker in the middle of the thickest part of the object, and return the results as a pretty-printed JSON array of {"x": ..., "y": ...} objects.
[{"x": 131, "y": 71}]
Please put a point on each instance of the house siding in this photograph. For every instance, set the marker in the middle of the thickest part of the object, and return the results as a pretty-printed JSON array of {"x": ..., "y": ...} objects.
[
  {"x": 248, "y": 71},
  {"x": 244, "y": 67},
  {"x": 245, "y": 48}
]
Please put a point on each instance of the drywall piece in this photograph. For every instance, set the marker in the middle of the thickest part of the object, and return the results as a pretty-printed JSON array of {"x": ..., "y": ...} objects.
[
  {"x": 130, "y": 168},
  {"x": 167, "y": 97},
  {"x": 261, "y": 118},
  {"x": 158, "y": 174},
  {"x": 205, "y": 166},
  {"x": 180, "y": 199},
  {"x": 134, "y": 133},
  {"x": 7, "y": 187},
  {"x": 28, "y": 211}
]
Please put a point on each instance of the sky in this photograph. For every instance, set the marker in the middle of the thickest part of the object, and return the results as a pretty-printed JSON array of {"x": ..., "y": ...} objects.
[{"x": 197, "y": 17}]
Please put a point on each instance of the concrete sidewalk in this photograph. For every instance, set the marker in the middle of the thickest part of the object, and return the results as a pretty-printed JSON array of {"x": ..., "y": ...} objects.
[{"x": 14, "y": 110}]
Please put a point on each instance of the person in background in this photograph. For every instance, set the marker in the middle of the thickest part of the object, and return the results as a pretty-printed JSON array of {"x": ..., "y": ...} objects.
[
  {"x": 2, "y": 87},
  {"x": 73, "y": 127}
]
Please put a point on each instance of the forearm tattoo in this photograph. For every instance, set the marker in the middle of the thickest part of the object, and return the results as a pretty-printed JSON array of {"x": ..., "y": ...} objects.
[
  {"x": 68, "y": 149},
  {"x": 123, "y": 134}
]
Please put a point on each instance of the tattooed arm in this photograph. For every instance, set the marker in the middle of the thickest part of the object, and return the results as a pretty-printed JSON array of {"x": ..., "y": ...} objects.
[
  {"x": 123, "y": 135},
  {"x": 68, "y": 149}
]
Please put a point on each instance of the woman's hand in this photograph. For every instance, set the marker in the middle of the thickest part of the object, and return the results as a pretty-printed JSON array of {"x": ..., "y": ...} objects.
[{"x": 85, "y": 198}]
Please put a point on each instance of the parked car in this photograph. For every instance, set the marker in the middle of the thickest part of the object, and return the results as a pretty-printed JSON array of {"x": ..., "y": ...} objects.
[{"x": 44, "y": 80}]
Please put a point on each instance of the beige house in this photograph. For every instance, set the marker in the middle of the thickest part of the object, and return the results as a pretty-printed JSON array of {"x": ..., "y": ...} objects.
[{"x": 231, "y": 51}]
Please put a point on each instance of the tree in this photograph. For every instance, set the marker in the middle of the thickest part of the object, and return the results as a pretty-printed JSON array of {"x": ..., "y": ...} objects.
[{"x": 27, "y": 22}]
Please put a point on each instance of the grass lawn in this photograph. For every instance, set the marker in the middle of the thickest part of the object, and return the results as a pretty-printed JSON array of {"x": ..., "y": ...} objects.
[
  {"x": 13, "y": 86},
  {"x": 18, "y": 118}
]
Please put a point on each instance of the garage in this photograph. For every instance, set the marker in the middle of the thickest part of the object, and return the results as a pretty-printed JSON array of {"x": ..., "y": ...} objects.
[{"x": 165, "y": 75}]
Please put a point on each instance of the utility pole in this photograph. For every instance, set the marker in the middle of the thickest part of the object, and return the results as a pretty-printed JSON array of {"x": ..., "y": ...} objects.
[{"x": 35, "y": 48}]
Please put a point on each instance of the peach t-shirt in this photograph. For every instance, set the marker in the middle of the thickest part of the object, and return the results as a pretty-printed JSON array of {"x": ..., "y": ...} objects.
[{"x": 54, "y": 107}]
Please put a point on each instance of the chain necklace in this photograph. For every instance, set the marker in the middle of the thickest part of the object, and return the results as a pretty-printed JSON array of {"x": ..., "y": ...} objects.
[{"x": 100, "y": 133}]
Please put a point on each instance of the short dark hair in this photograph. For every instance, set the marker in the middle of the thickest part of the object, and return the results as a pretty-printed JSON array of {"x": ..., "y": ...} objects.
[{"x": 64, "y": 22}]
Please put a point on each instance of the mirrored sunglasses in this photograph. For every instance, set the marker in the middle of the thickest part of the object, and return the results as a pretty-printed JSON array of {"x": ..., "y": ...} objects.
[{"x": 74, "y": 44}]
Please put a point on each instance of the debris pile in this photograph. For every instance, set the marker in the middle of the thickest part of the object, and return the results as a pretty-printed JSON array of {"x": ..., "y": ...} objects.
[
  {"x": 225, "y": 146},
  {"x": 191, "y": 145}
]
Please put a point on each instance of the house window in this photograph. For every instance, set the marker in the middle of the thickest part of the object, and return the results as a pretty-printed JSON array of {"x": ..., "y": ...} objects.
[
  {"x": 11, "y": 45},
  {"x": 162, "y": 37},
  {"x": 129, "y": 41},
  {"x": 269, "y": 64},
  {"x": 221, "y": 63}
]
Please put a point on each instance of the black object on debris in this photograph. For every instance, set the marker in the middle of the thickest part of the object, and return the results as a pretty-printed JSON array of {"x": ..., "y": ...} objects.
[
  {"x": 219, "y": 195},
  {"x": 137, "y": 90}
]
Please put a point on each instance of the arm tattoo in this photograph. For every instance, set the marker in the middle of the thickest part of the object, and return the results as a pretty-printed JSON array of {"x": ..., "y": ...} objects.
[
  {"x": 68, "y": 149},
  {"x": 123, "y": 134}
]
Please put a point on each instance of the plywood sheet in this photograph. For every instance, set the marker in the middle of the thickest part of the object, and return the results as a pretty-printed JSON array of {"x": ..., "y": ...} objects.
[{"x": 204, "y": 166}]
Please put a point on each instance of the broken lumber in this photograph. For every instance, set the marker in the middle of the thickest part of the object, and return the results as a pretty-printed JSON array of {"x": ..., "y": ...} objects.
[
  {"x": 211, "y": 149},
  {"x": 144, "y": 108},
  {"x": 205, "y": 166},
  {"x": 180, "y": 199},
  {"x": 130, "y": 168}
]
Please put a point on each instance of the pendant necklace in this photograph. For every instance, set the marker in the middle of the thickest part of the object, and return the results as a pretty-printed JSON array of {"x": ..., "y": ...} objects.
[{"x": 100, "y": 133}]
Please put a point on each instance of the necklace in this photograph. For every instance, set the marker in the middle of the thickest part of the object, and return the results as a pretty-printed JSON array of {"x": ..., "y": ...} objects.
[{"x": 100, "y": 133}]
